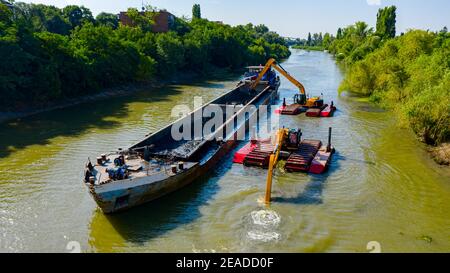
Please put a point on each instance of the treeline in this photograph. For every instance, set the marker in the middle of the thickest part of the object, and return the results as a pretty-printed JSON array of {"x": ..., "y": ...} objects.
[
  {"x": 409, "y": 73},
  {"x": 315, "y": 41},
  {"x": 50, "y": 54}
]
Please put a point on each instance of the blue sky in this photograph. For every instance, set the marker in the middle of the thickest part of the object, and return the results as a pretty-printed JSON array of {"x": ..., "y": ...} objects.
[{"x": 289, "y": 17}]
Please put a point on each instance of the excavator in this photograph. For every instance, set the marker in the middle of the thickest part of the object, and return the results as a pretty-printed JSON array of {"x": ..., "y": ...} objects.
[{"x": 299, "y": 99}]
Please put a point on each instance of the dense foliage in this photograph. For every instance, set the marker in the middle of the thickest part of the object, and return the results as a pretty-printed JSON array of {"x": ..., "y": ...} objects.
[
  {"x": 409, "y": 73},
  {"x": 386, "y": 19},
  {"x": 316, "y": 41},
  {"x": 196, "y": 11},
  {"x": 49, "y": 53}
]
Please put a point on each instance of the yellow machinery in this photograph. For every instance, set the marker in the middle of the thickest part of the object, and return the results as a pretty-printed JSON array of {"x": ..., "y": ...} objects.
[{"x": 301, "y": 98}]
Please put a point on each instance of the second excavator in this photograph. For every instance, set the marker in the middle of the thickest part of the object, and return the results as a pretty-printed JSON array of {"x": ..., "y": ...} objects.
[
  {"x": 300, "y": 99},
  {"x": 313, "y": 106}
]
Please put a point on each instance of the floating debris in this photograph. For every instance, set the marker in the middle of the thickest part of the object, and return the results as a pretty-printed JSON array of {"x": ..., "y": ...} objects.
[{"x": 425, "y": 238}]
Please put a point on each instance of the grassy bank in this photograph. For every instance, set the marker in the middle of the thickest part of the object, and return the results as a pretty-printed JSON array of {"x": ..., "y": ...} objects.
[{"x": 409, "y": 74}]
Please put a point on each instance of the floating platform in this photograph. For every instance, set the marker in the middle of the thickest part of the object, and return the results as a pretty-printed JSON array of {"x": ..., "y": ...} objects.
[
  {"x": 328, "y": 111},
  {"x": 260, "y": 155},
  {"x": 296, "y": 109},
  {"x": 290, "y": 110},
  {"x": 325, "y": 111},
  {"x": 321, "y": 161},
  {"x": 300, "y": 160},
  {"x": 240, "y": 155},
  {"x": 314, "y": 112}
]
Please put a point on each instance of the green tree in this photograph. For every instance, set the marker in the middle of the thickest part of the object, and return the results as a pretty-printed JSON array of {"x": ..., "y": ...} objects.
[
  {"x": 315, "y": 39},
  {"x": 309, "y": 41},
  {"x": 196, "y": 11},
  {"x": 42, "y": 18},
  {"x": 339, "y": 33},
  {"x": 362, "y": 29},
  {"x": 144, "y": 20},
  {"x": 77, "y": 15},
  {"x": 6, "y": 15},
  {"x": 327, "y": 39},
  {"x": 273, "y": 38},
  {"x": 170, "y": 52},
  {"x": 110, "y": 59},
  {"x": 261, "y": 29},
  {"x": 107, "y": 19},
  {"x": 386, "y": 20}
]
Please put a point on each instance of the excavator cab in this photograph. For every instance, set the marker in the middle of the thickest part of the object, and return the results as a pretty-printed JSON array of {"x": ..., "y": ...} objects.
[
  {"x": 314, "y": 102},
  {"x": 300, "y": 99},
  {"x": 294, "y": 137}
]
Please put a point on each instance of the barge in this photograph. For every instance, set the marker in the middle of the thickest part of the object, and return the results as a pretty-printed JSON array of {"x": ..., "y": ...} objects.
[{"x": 160, "y": 164}]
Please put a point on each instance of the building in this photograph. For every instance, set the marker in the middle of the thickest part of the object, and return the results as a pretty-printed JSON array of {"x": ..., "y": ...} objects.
[{"x": 164, "y": 20}]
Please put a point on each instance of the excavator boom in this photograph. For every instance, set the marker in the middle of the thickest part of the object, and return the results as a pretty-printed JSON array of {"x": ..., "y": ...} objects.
[
  {"x": 273, "y": 63},
  {"x": 300, "y": 99},
  {"x": 280, "y": 137}
]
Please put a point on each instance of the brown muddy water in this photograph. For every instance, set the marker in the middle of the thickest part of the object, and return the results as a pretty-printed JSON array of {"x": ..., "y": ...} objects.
[{"x": 382, "y": 186}]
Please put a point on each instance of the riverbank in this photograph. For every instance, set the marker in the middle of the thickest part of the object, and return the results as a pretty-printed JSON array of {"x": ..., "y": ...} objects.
[
  {"x": 439, "y": 153},
  {"x": 111, "y": 92},
  {"x": 119, "y": 91}
]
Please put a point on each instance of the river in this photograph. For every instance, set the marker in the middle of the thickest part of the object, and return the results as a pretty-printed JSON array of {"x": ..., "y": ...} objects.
[{"x": 382, "y": 186}]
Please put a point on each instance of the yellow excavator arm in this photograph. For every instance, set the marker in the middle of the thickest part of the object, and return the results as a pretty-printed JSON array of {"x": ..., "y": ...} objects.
[
  {"x": 273, "y": 63},
  {"x": 301, "y": 98},
  {"x": 280, "y": 137}
]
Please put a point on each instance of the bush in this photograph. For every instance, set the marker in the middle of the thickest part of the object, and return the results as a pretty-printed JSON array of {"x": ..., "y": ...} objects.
[{"x": 410, "y": 74}]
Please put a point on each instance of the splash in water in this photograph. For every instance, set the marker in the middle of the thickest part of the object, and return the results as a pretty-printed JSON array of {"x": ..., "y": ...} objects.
[
  {"x": 266, "y": 218},
  {"x": 263, "y": 236},
  {"x": 264, "y": 223}
]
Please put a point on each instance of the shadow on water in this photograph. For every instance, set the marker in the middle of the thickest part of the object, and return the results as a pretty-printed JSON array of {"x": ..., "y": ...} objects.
[
  {"x": 340, "y": 157},
  {"x": 72, "y": 121},
  {"x": 154, "y": 219},
  {"x": 312, "y": 195},
  {"x": 75, "y": 120}
]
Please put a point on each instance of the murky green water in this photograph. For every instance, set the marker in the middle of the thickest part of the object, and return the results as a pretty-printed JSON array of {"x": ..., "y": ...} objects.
[{"x": 381, "y": 187}]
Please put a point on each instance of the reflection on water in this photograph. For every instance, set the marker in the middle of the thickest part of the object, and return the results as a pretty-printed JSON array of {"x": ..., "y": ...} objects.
[{"x": 381, "y": 185}]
